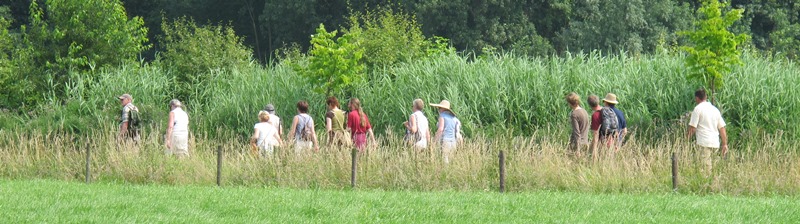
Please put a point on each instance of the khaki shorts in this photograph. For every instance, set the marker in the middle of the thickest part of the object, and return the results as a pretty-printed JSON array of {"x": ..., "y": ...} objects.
[
  {"x": 706, "y": 159},
  {"x": 180, "y": 145}
]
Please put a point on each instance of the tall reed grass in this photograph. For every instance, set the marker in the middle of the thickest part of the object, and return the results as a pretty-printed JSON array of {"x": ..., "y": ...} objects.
[
  {"x": 493, "y": 95},
  {"x": 532, "y": 163}
]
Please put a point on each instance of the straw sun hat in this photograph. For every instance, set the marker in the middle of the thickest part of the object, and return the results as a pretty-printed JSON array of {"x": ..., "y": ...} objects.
[
  {"x": 444, "y": 105},
  {"x": 611, "y": 98}
]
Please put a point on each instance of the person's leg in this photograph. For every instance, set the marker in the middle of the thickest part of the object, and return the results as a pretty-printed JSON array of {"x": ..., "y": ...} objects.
[
  {"x": 180, "y": 145},
  {"x": 360, "y": 141},
  {"x": 447, "y": 149},
  {"x": 705, "y": 154}
]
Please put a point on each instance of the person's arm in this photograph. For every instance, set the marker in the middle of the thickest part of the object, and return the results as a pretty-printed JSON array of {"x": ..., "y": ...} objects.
[
  {"x": 170, "y": 127},
  {"x": 595, "y": 142},
  {"x": 123, "y": 129},
  {"x": 280, "y": 127},
  {"x": 573, "y": 138},
  {"x": 313, "y": 135},
  {"x": 459, "y": 135},
  {"x": 278, "y": 137},
  {"x": 439, "y": 130},
  {"x": 694, "y": 120},
  {"x": 328, "y": 124},
  {"x": 724, "y": 136},
  {"x": 292, "y": 129},
  {"x": 411, "y": 125},
  {"x": 253, "y": 140},
  {"x": 372, "y": 136}
]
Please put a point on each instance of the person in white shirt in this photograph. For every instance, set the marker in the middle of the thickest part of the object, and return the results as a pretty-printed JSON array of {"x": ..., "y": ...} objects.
[
  {"x": 265, "y": 136},
  {"x": 417, "y": 130},
  {"x": 177, "y": 138},
  {"x": 707, "y": 125},
  {"x": 274, "y": 119}
]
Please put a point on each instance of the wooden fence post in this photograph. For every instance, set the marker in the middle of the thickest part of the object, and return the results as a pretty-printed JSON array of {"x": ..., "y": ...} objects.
[
  {"x": 502, "y": 171},
  {"x": 88, "y": 164},
  {"x": 674, "y": 173},
  {"x": 219, "y": 165},
  {"x": 353, "y": 155}
]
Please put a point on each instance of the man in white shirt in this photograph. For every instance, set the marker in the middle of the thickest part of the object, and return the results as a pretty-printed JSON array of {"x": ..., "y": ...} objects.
[{"x": 708, "y": 126}]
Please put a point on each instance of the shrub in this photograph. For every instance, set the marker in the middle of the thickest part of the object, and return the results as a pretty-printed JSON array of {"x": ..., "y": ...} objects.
[{"x": 195, "y": 54}]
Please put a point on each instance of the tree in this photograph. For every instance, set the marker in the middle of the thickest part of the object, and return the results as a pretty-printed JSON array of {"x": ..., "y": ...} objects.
[
  {"x": 714, "y": 50},
  {"x": 333, "y": 63},
  {"x": 634, "y": 26},
  {"x": 15, "y": 88},
  {"x": 505, "y": 25},
  {"x": 66, "y": 38}
]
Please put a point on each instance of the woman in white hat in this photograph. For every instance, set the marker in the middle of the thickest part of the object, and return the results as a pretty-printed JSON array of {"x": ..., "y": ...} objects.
[
  {"x": 177, "y": 138},
  {"x": 448, "y": 131}
]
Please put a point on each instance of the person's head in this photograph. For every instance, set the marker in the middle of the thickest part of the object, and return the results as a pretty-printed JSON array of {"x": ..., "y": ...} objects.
[
  {"x": 270, "y": 109},
  {"x": 700, "y": 95},
  {"x": 302, "y": 107},
  {"x": 175, "y": 103},
  {"x": 593, "y": 101},
  {"x": 263, "y": 116},
  {"x": 332, "y": 102},
  {"x": 354, "y": 104},
  {"x": 125, "y": 99},
  {"x": 573, "y": 99},
  {"x": 610, "y": 100},
  {"x": 417, "y": 105}
]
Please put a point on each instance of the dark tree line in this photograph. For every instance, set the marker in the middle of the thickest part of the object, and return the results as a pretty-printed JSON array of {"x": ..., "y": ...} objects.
[{"x": 531, "y": 27}]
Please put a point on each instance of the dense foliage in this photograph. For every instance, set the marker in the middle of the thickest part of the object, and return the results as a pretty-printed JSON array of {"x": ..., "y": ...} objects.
[
  {"x": 64, "y": 39},
  {"x": 195, "y": 54},
  {"x": 525, "y": 27}
]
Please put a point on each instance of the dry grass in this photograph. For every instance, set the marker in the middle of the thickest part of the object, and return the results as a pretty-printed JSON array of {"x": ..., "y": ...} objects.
[{"x": 536, "y": 162}]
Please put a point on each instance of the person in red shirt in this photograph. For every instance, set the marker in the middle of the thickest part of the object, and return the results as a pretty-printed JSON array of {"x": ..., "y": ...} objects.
[
  {"x": 597, "y": 120},
  {"x": 358, "y": 124}
]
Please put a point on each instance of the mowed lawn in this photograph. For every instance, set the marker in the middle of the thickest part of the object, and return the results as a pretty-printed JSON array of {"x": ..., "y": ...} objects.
[{"x": 45, "y": 201}]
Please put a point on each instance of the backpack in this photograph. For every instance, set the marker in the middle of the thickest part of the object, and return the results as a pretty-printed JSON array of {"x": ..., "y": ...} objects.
[
  {"x": 610, "y": 122},
  {"x": 134, "y": 121},
  {"x": 306, "y": 133}
]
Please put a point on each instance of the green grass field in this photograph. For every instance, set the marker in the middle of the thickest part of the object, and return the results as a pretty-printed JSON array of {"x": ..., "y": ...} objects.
[{"x": 44, "y": 201}]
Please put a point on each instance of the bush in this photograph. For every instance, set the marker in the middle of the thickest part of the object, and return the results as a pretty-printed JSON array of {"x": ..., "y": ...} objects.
[{"x": 195, "y": 54}]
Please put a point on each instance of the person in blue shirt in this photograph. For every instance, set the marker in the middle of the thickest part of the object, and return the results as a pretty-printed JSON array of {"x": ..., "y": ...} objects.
[{"x": 622, "y": 128}]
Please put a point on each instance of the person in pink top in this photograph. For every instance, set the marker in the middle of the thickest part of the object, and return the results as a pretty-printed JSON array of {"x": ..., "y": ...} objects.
[{"x": 358, "y": 124}]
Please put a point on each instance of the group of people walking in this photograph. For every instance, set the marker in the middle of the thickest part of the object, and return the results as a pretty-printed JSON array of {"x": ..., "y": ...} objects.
[
  {"x": 607, "y": 124},
  {"x": 345, "y": 129},
  {"x": 609, "y": 127}
]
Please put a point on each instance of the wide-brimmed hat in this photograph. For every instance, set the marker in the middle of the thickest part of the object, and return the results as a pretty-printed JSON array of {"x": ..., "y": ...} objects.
[
  {"x": 611, "y": 98},
  {"x": 444, "y": 105},
  {"x": 125, "y": 96}
]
